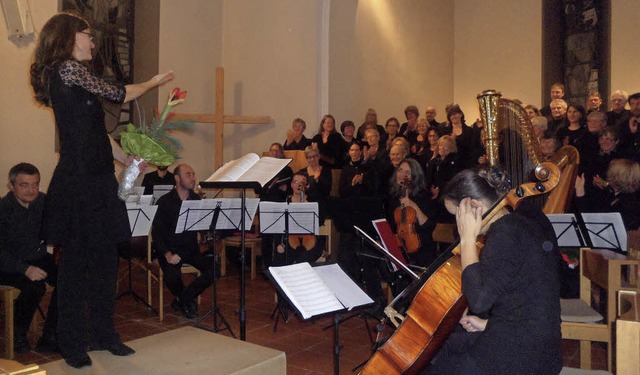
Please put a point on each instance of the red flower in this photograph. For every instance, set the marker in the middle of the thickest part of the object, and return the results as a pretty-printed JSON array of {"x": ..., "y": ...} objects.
[{"x": 176, "y": 94}]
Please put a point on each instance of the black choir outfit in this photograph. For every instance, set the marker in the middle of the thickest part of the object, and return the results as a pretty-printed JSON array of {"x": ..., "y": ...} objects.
[
  {"x": 439, "y": 172},
  {"x": 82, "y": 211},
  {"x": 330, "y": 152},
  {"x": 618, "y": 119},
  {"x": 184, "y": 244},
  {"x": 152, "y": 179},
  {"x": 597, "y": 199},
  {"x": 319, "y": 190},
  {"x": 300, "y": 145},
  {"x": 20, "y": 247},
  {"x": 369, "y": 185},
  {"x": 410, "y": 135},
  {"x": 564, "y": 134},
  {"x": 515, "y": 285}
]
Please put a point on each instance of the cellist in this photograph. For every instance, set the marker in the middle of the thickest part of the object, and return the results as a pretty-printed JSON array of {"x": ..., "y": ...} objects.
[
  {"x": 408, "y": 191},
  {"x": 297, "y": 248},
  {"x": 512, "y": 325}
]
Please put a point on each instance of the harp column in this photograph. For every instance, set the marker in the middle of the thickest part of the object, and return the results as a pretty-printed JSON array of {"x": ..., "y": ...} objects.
[{"x": 488, "y": 102}]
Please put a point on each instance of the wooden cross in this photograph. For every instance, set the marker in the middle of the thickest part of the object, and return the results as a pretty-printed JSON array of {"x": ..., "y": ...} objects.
[{"x": 219, "y": 119}]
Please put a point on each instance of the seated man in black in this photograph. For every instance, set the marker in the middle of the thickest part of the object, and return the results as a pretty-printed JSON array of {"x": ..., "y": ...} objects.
[
  {"x": 173, "y": 250},
  {"x": 24, "y": 260},
  {"x": 159, "y": 177}
]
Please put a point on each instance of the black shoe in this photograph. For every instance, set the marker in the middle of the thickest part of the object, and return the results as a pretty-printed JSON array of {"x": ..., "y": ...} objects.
[
  {"x": 79, "y": 360},
  {"x": 48, "y": 343},
  {"x": 21, "y": 344},
  {"x": 120, "y": 350},
  {"x": 184, "y": 308}
]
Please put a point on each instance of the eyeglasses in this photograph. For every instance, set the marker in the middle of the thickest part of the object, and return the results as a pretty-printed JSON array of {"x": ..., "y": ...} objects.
[
  {"x": 91, "y": 36},
  {"x": 313, "y": 156}
]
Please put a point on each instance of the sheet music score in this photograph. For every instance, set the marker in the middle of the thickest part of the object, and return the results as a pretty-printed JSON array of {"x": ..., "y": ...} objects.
[
  {"x": 197, "y": 214},
  {"x": 160, "y": 190},
  {"x": 308, "y": 292},
  {"x": 249, "y": 168},
  {"x": 140, "y": 218},
  {"x": 303, "y": 217}
]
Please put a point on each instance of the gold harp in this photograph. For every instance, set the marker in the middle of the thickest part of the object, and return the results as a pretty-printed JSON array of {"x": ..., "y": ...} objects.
[{"x": 511, "y": 144}]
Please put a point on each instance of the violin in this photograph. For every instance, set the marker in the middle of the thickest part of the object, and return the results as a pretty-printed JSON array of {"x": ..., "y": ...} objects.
[
  {"x": 406, "y": 219},
  {"x": 303, "y": 242}
]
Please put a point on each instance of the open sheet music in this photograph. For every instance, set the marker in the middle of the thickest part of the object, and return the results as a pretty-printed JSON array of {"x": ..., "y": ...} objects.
[
  {"x": 140, "y": 218},
  {"x": 249, "y": 168},
  {"x": 197, "y": 214},
  {"x": 318, "y": 290}
]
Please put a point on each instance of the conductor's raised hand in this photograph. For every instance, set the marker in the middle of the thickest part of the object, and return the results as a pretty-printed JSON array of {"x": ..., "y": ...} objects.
[{"x": 162, "y": 78}]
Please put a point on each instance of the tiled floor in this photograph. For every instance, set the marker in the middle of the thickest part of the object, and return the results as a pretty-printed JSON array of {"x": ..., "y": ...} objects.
[{"x": 308, "y": 344}]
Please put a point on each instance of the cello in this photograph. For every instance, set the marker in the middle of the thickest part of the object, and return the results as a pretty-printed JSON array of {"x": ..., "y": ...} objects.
[
  {"x": 406, "y": 219},
  {"x": 439, "y": 303}
]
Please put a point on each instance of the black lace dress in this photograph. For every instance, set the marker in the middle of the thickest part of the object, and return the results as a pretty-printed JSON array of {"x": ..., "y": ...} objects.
[{"x": 82, "y": 195}]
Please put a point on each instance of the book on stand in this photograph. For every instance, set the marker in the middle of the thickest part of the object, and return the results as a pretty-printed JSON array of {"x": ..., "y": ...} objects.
[
  {"x": 318, "y": 290},
  {"x": 249, "y": 168}
]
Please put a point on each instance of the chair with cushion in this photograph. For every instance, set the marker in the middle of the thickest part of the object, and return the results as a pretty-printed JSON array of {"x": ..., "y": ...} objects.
[{"x": 604, "y": 270}]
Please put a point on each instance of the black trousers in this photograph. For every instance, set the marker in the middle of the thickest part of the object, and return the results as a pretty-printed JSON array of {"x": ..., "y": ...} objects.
[
  {"x": 173, "y": 275},
  {"x": 87, "y": 280},
  {"x": 31, "y": 293}
]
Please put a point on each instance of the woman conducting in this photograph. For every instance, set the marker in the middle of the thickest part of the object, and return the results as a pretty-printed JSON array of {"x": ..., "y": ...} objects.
[
  {"x": 512, "y": 325},
  {"x": 82, "y": 212}
]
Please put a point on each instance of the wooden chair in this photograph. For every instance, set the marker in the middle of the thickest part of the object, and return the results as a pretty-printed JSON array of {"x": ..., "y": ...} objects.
[
  {"x": 252, "y": 242},
  {"x": 298, "y": 162},
  {"x": 8, "y": 295},
  {"x": 155, "y": 275},
  {"x": 603, "y": 269}
]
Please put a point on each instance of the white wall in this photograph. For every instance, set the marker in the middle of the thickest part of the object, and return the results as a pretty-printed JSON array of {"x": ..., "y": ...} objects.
[
  {"x": 387, "y": 54},
  {"x": 497, "y": 45},
  {"x": 26, "y": 130},
  {"x": 625, "y": 55}
]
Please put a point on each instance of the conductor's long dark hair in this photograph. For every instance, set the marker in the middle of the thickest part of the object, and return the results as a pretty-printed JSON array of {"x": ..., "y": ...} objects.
[{"x": 55, "y": 45}]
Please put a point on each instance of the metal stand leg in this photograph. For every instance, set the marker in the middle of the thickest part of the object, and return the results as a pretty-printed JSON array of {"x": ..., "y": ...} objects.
[{"x": 130, "y": 292}]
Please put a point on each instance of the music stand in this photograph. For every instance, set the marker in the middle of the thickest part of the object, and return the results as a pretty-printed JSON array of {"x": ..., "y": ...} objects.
[
  {"x": 317, "y": 291},
  {"x": 602, "y": 230},
  {"x": 211, "y": 215},
  {"x": 285, "y": 219},
  {"x": 243, "y": 186},
  {"x": 140, "y": 219}
]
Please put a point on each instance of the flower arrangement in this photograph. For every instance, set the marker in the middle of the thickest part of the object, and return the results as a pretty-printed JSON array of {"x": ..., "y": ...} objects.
[{"x": 153, "y": 143}]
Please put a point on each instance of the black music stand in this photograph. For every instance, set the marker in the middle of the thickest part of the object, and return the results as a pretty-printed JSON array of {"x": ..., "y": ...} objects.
[
  {"x": 327, "y": 283},
  {"x": 242, "y": 186},
  {"x": 215, "y": 310},
  {"x": 140, "y": 219},
  {"x": 285, "y": 219}
]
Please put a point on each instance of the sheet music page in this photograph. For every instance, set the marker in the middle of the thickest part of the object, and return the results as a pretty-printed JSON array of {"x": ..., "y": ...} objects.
[
  {"x": 342, "y": 286},
  {"x": 303, "y": 218},
  {"x": 195, "y": 215},
  {"x": 250, "y": 168},
  {"x": 232, "y": 170},
  {"x": 264, "y": 170},
  {"x": 564, "y": 227},
  {"x": 140, "y": 218},
  {"x": 229, "y": 217},
  {"x": 272, "y": 217},
  {"x": 160, "y": 190},
  {"x": 606, "y": 230},
  {"x": 305, "y": 289}
]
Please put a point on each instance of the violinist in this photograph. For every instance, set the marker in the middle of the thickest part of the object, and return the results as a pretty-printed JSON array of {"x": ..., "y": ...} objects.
[
  {"x": 409, "y": 193},
  {"x": 297, "y": 248},
  {"x": 512, "y": 325}
]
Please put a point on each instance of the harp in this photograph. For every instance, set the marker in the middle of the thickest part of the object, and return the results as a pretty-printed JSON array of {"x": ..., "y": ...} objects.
[{"x": 511, "y": 144}]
